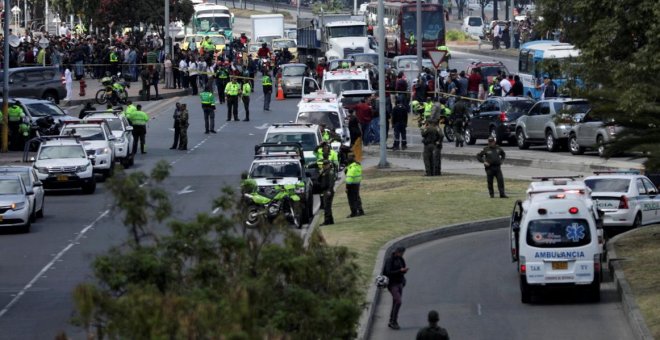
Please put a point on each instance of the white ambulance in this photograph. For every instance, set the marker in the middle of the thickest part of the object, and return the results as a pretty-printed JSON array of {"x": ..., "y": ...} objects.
[
  {"x": 339, "y": 80},
  {"x": 322, "y": 108},
  {"x": 556, "y": 238}
]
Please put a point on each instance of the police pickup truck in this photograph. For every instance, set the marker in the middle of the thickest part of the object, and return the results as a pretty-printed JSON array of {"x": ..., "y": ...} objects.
[{"x": 556, "y": 238}]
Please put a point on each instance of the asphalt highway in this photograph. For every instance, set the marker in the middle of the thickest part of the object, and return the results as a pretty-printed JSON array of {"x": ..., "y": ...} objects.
[{"x": 471, "y": 282}]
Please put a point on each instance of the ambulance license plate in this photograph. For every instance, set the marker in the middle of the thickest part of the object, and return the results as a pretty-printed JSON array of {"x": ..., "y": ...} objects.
[
  {"x": 62, "y": 178},
  {"x": 563, "y": 265}
]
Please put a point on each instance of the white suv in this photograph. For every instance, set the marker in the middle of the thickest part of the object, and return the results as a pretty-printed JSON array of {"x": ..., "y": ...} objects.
[
  {"x": 62, "y": 163},
  {"x": 98, "y": 141},
  {"x": 627, "y": 199},
  {"x": 122, "y": 130},
  {"x": 308, "y": 135}
]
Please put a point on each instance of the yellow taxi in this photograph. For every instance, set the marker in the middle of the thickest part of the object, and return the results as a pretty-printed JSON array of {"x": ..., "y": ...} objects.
[{"x": 195, "y": 41}]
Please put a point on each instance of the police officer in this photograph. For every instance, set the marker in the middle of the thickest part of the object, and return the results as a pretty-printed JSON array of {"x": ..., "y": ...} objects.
[
  {"x": 183, "y": 127},
  {"x": 433, "y": 331},
  {"x": 114, "y": 60},
  {"x": 177, "y": 126},
  {"x": 353, "y": 173},
  {"x": 325, "y": 152},
  {"x": 327, "y": 177},
  {"x": 492, "y": 157},
  {"x": 399, "y": 123},
  {"x": 460, "y": 119},
  {"x": 15, "y": 116},
  {"x": 231, "y": 92},
  {"x": 395, "y": 270},
  {"x": 208, "y": 105},
  {"x": 221, "y": 78},
  {"x": 246, "y": 90},
  {"x": 267, "y": 84},
  {"x": 430, "y": 138},
  {"x": 139, "y": 120}
]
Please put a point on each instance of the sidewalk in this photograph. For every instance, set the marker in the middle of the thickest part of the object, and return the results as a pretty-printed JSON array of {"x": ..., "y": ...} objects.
[{"x": 93, "y": 85}]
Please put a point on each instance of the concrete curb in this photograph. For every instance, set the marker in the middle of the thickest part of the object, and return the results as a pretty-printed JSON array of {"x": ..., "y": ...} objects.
[
  {"x": 131, "y": 98},
  {"x": 532, "y": 163},
  {"x": 630, "y": 307},
  {"x": 373, "y": 294}
]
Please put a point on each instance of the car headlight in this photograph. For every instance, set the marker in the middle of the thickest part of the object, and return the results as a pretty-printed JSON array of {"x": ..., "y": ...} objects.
[
  {"x": 102, "y": 151},
  {"x": 42, "y": 170},
  {"x": 18, "y": 206},
  {"x": 82, "y": 168}
]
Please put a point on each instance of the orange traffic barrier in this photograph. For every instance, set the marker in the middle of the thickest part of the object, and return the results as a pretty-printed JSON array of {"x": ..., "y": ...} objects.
[{"x": 280, "y": 92}]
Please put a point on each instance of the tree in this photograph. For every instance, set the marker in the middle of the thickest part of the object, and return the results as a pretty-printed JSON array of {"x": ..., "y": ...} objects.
[
  {"x": 483, "y": 4},
  {"x": 619, "y": 43},
  {"x": 211, "y": 278}
]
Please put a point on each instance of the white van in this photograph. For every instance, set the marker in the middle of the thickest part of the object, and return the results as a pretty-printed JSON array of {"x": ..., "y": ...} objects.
[
  {"x": 556, "y": 240},
  {"x": 473, "y": 26},
  {"x": 322, "y": 108}
]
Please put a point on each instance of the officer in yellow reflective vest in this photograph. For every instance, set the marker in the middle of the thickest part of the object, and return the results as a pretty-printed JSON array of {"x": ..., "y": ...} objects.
[
  {"x": 15, "y": 116},
  {"x": 221, "y": 79},
  {"x": 208, "y": 106},
  {"x": 139, "y": 120},
  {"x": 113, "y": 58},
  {"x": 353, "y": 178},
  {"x": 445, "y": 60},
  {"x": 231, "y": 92},
  {"x": 267, "y": 84},
  {"x": 245, "y": 95},
  {"x": 325, "y": 152}
]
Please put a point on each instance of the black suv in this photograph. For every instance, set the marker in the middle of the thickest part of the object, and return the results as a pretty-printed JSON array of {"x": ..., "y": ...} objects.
[
  {"x": 36, "y": 82},
  {"x": 497, "y": 117}
]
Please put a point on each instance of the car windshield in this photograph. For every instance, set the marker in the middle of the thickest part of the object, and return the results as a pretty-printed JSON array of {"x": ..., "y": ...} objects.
[
  {"x": 572, "y": 107},
  {"x": 10, "y": 187},
  {"x": 432, "y": 24},
  {"x": 213, "y": 24},
  {"x": 365, "y": 58},
  {"x": 517, "y": 105},
  {"x": 114, "y": 123},
  {"x": 44, "y": 109},
  {"x": 62, "y": 151},
  {"x": 347, "y": 31},
  {"x": 328, "y": 118},
  {"x": 558, "y": 233},
  {"x": 491, "y": 71},
  {"x": 474, "y": 21},
  {"x": 254, "y": 48},
  {"x": 293, "y": 71},
  {"x": 284, "y": 44},
  {"x": 307, "y": 140},
  {"x": 276, "y": 169},
  {"x": 339, "y": 85},
  {"x": 608, "y": 184},
  {"x": 85, "y": 133}
]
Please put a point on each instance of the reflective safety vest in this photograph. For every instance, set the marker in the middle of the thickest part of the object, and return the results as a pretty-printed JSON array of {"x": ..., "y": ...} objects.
[
  {"x": 207, "y": 98},
  {"x": 139, "y": 118},
  {"x": 326, "y": 135},
  {"x": 428, "y": 109},
  {"x": 24, "y": 129},
  {"x": 333, "y": 157},
  {"x": 265, "y": 81},
  {"x": 247, "y": 89},
  {"x": 354, "y": 173},
  {"x": 412, "y": 39},
  {"x": 446, "y": 49},
  {"x": 130, "y": 109},
  {"x": 232, "y": 89},
  {"x": 416, "y": 106},
  {"x": 445, "y": 110},
  {"x": 15, "y": 113},
  {"x": 208, "y": 46},
  {"x": 113, "y": 57}
]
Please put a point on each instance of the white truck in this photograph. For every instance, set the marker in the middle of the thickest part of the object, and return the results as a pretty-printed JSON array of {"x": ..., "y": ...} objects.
[
  {"x": 334, "y": 36},
  {"x": 266, "y": 27}
]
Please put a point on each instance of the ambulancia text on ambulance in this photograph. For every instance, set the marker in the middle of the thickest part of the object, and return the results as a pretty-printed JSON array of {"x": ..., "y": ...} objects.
[
  {"x": 323, "y": 108},
  {"x": 556, "y": 238}
]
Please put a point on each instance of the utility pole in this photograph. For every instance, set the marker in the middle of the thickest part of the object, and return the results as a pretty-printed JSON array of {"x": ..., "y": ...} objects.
[
  {"x": 494, "y": 9},
  {"x": 419, "y": 37},
  {"x": 167, "y": 28},
  {"x": 381, "y": 84},
  {"x": 5, "y": 82},
  {"x": 511, "y": 27}
]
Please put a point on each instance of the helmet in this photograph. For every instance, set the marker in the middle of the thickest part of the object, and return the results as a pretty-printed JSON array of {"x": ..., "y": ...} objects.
[
  {"x": 264, "y": 45},
  {"x": 382, "y": 281}
]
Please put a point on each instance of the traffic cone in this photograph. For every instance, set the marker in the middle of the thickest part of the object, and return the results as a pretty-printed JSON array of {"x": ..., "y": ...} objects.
[{"x": 280, "y": 92}]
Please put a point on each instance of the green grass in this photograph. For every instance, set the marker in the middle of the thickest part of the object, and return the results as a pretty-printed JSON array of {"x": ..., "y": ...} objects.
[
  {"x": 398, "y": 203},
  {"x": 641, "y": 250},
  {"x": 457, "y": 35}
]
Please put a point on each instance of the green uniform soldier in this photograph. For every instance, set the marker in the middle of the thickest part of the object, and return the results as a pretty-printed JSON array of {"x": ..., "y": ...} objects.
[
  {"x": 431, "y": 137},
  {"x": 327, "y": 178},
  {"x": 246, "y": 90},
  {"x": 139, "y": 121},
  {"x": 231, "y": 92},
  {"x": 183, "y": 127},
  {"x": 492, "y": 157}
]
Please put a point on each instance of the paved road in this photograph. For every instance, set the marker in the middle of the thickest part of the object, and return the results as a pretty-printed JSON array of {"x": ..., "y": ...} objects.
[{"x": 472, "y": 283}]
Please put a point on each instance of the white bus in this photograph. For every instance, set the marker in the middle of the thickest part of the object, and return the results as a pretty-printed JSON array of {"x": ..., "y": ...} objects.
[
  {"x": 213, "y": 19},
  {"x": 544, "y": 57}
]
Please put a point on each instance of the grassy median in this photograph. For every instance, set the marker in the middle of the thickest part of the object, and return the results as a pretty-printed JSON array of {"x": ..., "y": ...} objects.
[
  {"x": 398, "y": 203},
  {"x": 641, "y": 250}
]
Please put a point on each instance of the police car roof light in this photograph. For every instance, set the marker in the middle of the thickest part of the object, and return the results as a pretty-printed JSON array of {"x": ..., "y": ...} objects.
[{"x": 544, "y": 178}]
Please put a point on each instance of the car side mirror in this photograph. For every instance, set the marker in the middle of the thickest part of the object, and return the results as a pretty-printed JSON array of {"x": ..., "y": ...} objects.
[
  {"x": 91, "y": 157},
  {"x": 38, "y": 184}
]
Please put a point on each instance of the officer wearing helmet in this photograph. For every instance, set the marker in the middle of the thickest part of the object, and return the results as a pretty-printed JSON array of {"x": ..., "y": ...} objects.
[{"x": 310, "y": 63}]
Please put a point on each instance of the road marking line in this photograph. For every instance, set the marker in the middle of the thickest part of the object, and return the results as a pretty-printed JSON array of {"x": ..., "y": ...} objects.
[
  {"x": 479, "y": 309},
  {"x": 51, "y": 263},
  {"x": 215, "y": 211}
]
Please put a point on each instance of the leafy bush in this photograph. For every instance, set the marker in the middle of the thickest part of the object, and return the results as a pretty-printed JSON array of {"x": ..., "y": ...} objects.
[{"x": 457, "y": 35}]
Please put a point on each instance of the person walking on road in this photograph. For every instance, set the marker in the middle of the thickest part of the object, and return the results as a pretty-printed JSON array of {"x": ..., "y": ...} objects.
[
  {"x": 430, "y": 138},
  {"x": 177, "y": 130},
  {"x": 395, "y": 270},
  {"x": 231, "y": 91},
  {"x": 492, "y": 157},
  {"x": 399, "y": 124},
  {"x": 267, "y": 83},
  {"x": 208, "y": 106},
  {"x": 139, "y": 121},
  {"x": 183, "y": 127},
  {"x": 327, "y": 178},
  {"x": 246, "y": 90},
  {"x": 433, "y": 331},
  {"x": 353, "y": 173},
  {"x": 460, "y": 118}
]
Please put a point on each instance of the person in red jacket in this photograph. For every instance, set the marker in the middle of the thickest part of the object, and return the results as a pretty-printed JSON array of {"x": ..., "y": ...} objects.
[
  {"x": 364, "y": 116},
  {"x": 320, "y": 68}
]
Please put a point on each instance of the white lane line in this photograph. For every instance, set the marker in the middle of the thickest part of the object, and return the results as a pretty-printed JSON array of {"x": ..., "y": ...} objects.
[
  {"x": 479, "y": 309},
  {"x": 52, "y": 262},
  {"x": 215, "y": 211}
]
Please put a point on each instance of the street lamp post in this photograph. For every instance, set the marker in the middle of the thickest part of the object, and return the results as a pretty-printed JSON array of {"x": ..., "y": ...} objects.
[
  {"x": 5, "y": 80},
  {"x": 381, "y": 84}
]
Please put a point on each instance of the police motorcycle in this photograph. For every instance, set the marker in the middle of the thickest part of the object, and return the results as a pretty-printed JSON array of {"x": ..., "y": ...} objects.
[
  {"x": 113, "y": 91},
  {"x": 261, "y": 207}
]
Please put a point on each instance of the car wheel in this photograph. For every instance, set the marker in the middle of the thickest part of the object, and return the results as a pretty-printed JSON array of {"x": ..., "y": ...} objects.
[
  {"x": 573, "y": 146},
  {"x": 469, "y": 139},
  {"x": 525, "y": 291},
  {"x": 40, "y": 213},
  {"x": 638, "y": 221},
  {"x": 522, "y": 141},
  {"x": 89, "y": 189},
  {"x": 600, "y": 146},
  {"x": 51, "y": 96},
  {"x": 551, "y": 142}
]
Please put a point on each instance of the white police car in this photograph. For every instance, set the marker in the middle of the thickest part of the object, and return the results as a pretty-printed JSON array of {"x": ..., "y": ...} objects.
[
  {"x": 308, "y": 135},
  {"x": 98, "y": 141},
  {"x": 556, "y": 240},
  {"x": 62, "y": 163},
  {"x": 122, "y": 130},
  {"x": 627, "y": 199}
]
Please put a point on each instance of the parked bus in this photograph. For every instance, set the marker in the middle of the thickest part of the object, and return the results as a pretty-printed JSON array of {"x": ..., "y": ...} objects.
[
  {"x": 545, "y": 57},
  {"x": 213, "y": 19},
  {"x": 401, "y": 20}
]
